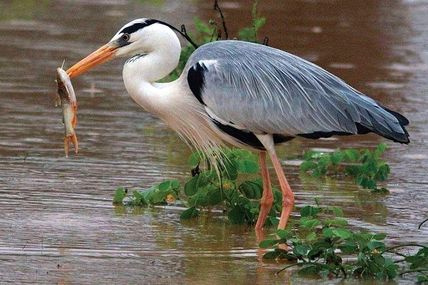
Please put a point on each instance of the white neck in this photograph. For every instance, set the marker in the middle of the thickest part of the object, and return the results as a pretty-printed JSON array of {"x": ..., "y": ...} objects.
[{"x": 142, "y": 71}]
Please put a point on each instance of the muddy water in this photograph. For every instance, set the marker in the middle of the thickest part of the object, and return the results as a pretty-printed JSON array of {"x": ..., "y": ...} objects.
[{"x": 57, "y": 224}]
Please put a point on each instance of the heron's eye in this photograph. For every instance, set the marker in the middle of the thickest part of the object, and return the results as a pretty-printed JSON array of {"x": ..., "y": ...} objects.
[{"x": 125, "y": 37}]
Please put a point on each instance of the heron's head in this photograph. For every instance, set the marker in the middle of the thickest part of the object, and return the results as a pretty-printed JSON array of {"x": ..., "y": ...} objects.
[{"x": 140, "y": 36}]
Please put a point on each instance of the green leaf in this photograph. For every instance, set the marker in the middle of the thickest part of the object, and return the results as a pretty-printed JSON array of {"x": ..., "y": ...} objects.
[
  {"x": 342, "y": 233},
  {"x": 352, "y": 155},
  {"x": 259, "y": 22},
  {"x": 191, "y": 187},
  {"x": 231, "y": 169},
  {"x": 375, "y": 244},
  {"x": 158, "y": 197},
  {"x": 349, "y": 247},
  {"x": 236, "y": 215},
  {"x": 301, "y": 250},
  {"x": 380, "y": 236},
  {"x": 277, "y": 198},
  {"x": 192, "y": 212},
  {"x": 338, "y": 212},
  {"x": 215, "y": 196},
  {"x": 380, "y": 149},
  {"x": 382, "y": 172},
  {"x": 174, "y": 183},
  {"x": 310, "y": 155},
  {"x": 139, "y": 199},
  {"x": 379, "y": 191},
  {"x": 119, "y": 195},
  {"x": 308, "y": 270},
  {"x": 248, "y": 166},
  {"x": 268, "y": 243},
  {"x": 307, "y": 166},
  {"x": 309, "y": 223},
  {"x": 164, "y": 186},
  {"x": 311, "y": 236},
  {"x": 272, "y": 221},
  {"x": 337, "y": 222},
  {"x": 271, "y": 254},
  {"x": 251, "y": 189},
  {"x": 315, "y": 253},
  {"x": 336, "y": 157},
  {"x": 202, "y": 27},
  {"x": 194, "y": 159},
  {"x": 283, "y": 234},
  {"x": 309, "y": 211},
  {"x": 327, "y": 232},
  {"x": 422, "y": 279}
]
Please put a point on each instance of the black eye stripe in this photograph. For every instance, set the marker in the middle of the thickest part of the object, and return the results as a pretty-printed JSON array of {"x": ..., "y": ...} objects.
[{"x": 135, "y": 27}]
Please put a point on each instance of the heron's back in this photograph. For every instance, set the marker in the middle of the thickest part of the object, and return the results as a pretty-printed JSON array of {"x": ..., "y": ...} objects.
[{"x": 258, "y": 89}]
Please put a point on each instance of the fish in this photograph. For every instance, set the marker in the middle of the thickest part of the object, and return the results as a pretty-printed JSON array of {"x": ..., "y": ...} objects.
[{"x": 67, "y": 100}]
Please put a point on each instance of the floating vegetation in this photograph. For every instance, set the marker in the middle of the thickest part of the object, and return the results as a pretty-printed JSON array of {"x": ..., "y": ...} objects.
[
  {"x": 321, "y": 244},
  {"x": 236, "y": 188},
  {"x": 365, "y": 166}
]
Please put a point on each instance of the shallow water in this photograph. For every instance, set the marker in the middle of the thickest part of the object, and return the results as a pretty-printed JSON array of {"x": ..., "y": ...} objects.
[{"x": 57, "y": 223}]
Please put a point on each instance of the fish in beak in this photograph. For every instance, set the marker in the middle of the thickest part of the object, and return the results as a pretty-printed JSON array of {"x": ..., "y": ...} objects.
[{"x": 68, "y": 101}]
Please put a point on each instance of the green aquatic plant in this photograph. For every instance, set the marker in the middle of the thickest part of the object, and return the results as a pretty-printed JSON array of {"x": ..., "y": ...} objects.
[
  {"x": 321, "y": 243},
  {"x": 235, "y": 188},
  {"x": 159, "y": 194},
  {"x": 365, "y": 166}
]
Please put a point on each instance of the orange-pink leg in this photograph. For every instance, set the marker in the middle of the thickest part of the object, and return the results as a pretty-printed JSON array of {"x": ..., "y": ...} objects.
[
  {"x": 287, "y": 194},
  {"x": 267, "y": 197}
]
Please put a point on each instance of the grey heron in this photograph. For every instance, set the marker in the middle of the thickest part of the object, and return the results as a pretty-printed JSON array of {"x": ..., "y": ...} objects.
[{"x": 241, "y": 94}]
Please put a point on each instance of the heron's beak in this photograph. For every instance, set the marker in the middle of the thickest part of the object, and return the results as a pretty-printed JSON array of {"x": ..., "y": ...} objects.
[{"x": 99, "y": 56}]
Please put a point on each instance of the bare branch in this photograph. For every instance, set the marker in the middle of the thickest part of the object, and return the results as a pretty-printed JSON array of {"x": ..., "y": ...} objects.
[
  {"x": 223, "y": 21},
  {"x": 184, "y": 33},
  {"x": 266, "y": 41}
]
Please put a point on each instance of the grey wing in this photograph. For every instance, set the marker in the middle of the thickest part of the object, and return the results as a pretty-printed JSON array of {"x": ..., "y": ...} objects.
[{"x": 264, "y": 90}]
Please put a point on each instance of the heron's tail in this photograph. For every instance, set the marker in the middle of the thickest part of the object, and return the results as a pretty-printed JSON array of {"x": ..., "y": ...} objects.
[{"x": 392, "y": 128}]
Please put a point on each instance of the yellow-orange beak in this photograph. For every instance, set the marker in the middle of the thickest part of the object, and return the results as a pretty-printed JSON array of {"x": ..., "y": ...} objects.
[{"x": 99, "y": 56}]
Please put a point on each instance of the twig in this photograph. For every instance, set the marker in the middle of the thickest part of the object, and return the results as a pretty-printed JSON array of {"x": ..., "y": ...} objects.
[
  {"x": 184, "y": 33},
  {"x": 423, "y": 222},
  {"x": 404, "y": 245},
  {"x": 343, "y": 271},
  {"x": 266, "y": 41},
  {"x": 413, "y": 271},
  {"x": 223, "y": 21},
  {"x": 286, "y": 267}
]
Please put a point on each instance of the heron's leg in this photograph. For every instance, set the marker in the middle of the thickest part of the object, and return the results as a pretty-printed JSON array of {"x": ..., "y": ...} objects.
[
  {"x": 287, "y": 194},
  {"x": 267, "y": 197}
]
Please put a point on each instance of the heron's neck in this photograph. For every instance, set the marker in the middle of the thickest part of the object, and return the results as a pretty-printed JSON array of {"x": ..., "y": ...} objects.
[{"x": 142, "y": 71}]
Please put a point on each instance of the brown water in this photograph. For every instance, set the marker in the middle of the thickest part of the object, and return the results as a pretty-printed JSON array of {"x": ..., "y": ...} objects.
[{"x": 57, "y": 224}]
